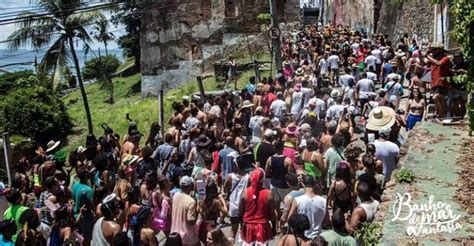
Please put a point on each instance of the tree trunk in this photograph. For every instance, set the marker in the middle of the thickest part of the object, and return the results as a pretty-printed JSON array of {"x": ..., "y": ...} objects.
[
  {"x": 105, "y": 45},
  {"x": 81, "y": 86}
]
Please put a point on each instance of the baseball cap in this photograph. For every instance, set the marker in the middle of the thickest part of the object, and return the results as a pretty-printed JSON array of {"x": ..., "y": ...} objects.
[
  {"x": 186, "y": 181},
  {"x": 385, "y": 131}
]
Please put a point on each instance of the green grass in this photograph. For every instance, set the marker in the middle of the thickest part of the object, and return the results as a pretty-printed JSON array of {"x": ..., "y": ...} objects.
[{"x": 142, "y": 110}]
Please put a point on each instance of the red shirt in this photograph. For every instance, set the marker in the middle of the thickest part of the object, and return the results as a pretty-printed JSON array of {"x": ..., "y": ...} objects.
[
  {"x": 440, "y": 72},
  {"x": 267, "y": 101}
]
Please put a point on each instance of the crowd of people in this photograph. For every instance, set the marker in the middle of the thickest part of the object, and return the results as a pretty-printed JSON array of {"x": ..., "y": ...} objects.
[{"x": 298, "y": 159}]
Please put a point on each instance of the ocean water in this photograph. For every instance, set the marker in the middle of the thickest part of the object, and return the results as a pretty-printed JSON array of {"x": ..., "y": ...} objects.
[{"x": 24, "y": 59}]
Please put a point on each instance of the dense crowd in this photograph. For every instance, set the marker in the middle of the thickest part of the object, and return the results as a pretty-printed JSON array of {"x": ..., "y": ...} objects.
[{"x": 298, "y": 159}]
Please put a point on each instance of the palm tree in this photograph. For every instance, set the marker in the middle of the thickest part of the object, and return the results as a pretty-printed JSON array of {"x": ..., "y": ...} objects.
[
  {"x": 64, "y": 24},
  {"x": 101, "y": 33}
]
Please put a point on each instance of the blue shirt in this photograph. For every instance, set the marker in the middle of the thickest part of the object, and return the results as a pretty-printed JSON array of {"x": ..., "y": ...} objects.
[
  {"x": 5, "y": 243},
  {"x": 79, "y": 190},
  {"x": 226, "y": 161}
]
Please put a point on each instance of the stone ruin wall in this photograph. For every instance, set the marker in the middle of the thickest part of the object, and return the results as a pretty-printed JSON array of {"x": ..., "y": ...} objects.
[
  {"x": 412, "y": 17},
  {"x": 183, "y": 41}
]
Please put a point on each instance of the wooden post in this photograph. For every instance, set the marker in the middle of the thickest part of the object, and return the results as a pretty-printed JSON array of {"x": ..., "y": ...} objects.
[
  {"x": 6, "y": 151},
  {"x": 276, "y": 42},
  {"x": 201, "y": 89},
  {"x": 161, "y": 107}
]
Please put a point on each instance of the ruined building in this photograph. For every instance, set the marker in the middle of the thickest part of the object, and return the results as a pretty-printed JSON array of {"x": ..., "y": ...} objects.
[{"x": 181, "y": 39}]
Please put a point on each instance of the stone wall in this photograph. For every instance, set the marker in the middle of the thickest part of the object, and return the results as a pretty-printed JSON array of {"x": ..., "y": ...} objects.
[
  {"x": 183, "y": 41},
  {"x": 358, "y": 14},
  {"x": 412, "y": 17}
]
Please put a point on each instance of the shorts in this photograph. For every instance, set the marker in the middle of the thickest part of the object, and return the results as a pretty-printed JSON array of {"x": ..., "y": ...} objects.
[
  {"x": 279, "y": 194},
  {"x": 440, "y": 90},
  {"x": 455, "y": 93}
]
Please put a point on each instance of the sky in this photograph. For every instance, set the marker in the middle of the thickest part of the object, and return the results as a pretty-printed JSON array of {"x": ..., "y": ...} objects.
[{"x": 9, "y": 6}]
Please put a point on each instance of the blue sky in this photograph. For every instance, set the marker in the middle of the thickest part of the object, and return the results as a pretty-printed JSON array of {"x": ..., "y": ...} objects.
[{"x": 9, "y": 6}]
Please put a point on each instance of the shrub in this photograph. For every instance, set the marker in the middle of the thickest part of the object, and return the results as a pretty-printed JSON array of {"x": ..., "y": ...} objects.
[
  {"x": 34, "y": 112},
  {"x": 405, "y": 176},
  {"x": 369, "y": 233},
  {"x": 19, "y": 79},
  {"x": 94, "y": 70}
]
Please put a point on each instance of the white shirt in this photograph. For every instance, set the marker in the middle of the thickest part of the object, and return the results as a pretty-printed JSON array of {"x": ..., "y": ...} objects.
[
  {"x": 323, "y": 66},
  {"x": 315, "y": 209},
  {"x": 297, "y": 101},
  {"x": 345, "y": 79},
  {"x": 277, "y": 107},
  {"x": 371, "y": 60},
  {"x": 388, "y": 153},
  {"x": 378, "y": 54},
  {"x": 365, "y": 86},
  {"x": 335, "y": 111},
  {"x": 216, "y": 110},
  {"x": 372, "y": 76},
  {"x": 354, "y": 47},
  {"x": 320, "y": 104},
  {"x": 255, "y": 124},
  {"x": 333, "y": 61},
  {"x": 239, "y": 184}
]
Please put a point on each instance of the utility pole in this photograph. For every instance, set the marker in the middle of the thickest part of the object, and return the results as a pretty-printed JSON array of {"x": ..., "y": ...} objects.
[
  {"x": 7, "y": 153},
  {"x": 276, "y": 45}
]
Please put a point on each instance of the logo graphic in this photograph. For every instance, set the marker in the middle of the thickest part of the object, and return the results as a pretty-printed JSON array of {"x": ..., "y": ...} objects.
[{"x": 425, "y": 218}]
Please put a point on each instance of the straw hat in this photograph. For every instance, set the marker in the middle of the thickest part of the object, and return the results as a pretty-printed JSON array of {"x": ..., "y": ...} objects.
[
  {"x": 247, "y": 104},
  {"x": 381, "y": 117},
  {"x": 299, "y": 72},
  {"x": 400, "y": 53},
  {"x": 52, "y": 145},
  {"x": 335, "y": 93}
]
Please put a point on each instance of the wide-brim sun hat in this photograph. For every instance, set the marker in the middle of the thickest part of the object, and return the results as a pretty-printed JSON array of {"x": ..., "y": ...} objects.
[
  {"x": 379, "y": 117},
  {"x": 52, "y": 145},
  {"x": 292, "y": 129},
  {"x": 400, "y": 53},
  {"x": 334, "y": 93},
  {"x": 203, "y": 141},
  {"x": 247, "y": 104}
]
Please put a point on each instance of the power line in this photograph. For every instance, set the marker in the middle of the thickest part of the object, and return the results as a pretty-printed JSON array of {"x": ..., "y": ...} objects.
[{"x": 48, "y": 15}]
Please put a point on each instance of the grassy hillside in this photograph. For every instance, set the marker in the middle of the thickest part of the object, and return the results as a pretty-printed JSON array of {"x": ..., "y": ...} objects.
[{"x": 142, "y": 110}]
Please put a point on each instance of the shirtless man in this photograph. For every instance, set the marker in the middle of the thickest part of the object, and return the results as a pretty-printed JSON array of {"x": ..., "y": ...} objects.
[
  {"x": 106, "y": 228},
  {"x": 325, "y": 140},
  {"x": 131, "y": 146}
]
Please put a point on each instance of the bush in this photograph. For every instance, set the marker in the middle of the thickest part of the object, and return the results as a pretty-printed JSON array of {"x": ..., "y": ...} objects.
[
  {"x": 19, "y": 79},
  {"x": 405, "y": 176},
  {"x": 94, "y": 70},
  {"x": 34, "y": 112}
]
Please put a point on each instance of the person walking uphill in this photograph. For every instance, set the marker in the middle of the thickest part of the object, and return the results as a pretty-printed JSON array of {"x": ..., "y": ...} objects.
[
  {"x": 257, "y": 209},
  {"x": 184, "y": 213}
]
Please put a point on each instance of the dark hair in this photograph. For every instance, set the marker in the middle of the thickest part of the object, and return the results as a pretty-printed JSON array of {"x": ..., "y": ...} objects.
[
  {"x": 292, "y": 179},
  {"x": 140, "y": 219},
  {"x": 279, "y": 146},
  {"x": 211, "y": 190},
  {"x": 101, "y": 161},
  {"x": 31, "y": 217},
  {"x": 49, "y": 182},
  {"x": 7, "y": 228},
  {"x": 343, "y": 172},
  {"x": 298, "y": 223},
  {"x": 13, "y": 196},
  {"x": 337, "y": 140},
  {"x": 370, "y": 149},
  {"x": 147, "y": 151},
  {"x": 363, "y": 190},
  {"x": 163, "y": 181},
  {"x": 168, "y": 138},
  {"x": 108, "y": 208},
  {"x": 174, "y": 239},
  {"x": 82, "y": 173},
  {"x": 338, "y": 220},
  {"x": 151, "y": 180},
  {"x": 121, "y": 239},
  {"x": 368, "y": 161}
]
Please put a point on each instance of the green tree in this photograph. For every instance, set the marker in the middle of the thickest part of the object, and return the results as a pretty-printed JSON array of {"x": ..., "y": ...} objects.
[
  {"x": 129, "y": 14},
  {"x": 34, "y": 112},
  {"x": 101, "y": 33},
  {"x": 101, "y": 69},
  {"x": 65, "y": 23},
  {"x": 463, "y": 33}
]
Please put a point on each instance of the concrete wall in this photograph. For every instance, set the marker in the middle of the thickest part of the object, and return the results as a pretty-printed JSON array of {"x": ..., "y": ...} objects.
[
  {"x": 183, "y": 41},
  {"x": 355, "y": 13},
  {"x": 412, "y": 17}
]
